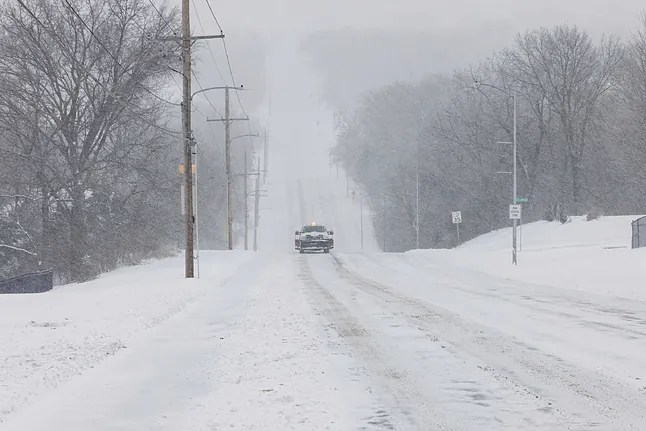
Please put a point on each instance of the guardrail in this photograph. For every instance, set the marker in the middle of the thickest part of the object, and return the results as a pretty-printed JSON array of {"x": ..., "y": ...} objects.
[{"x": 36, "y": 282}]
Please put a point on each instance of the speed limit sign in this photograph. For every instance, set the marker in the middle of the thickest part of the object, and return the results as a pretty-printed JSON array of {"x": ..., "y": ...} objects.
[{"x": 457, "y": 217}]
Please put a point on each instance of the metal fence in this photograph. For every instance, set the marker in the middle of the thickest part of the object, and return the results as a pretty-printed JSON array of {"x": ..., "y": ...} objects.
[
  {"x": 639, "y": 232},
  {"x": 37, "y": 282}
]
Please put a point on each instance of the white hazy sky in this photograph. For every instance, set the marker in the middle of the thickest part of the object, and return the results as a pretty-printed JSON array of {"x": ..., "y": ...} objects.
[
  {"x": 308, "y": 15},
  {"x": 312, "y": 56},
  {"x": 426, "y": 36}
]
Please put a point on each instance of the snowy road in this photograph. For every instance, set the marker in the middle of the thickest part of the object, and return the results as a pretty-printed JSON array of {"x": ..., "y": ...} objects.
[
  {"x": 349, "y": 342},
  {"x": 508, "y": 361}
]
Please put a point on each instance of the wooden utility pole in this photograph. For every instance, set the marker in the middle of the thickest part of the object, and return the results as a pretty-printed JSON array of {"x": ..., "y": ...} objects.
[
  {"x": 227, "y": 150},
  {"x": 265, "y": 159},
  {"x": 256, "y": 209},
  {"x": 186, "y": 134},
  {"x": 246, "y": 204},
  {"x": 227, "y": 143}
]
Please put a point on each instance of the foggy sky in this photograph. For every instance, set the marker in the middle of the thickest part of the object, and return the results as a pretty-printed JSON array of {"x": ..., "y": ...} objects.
[
  {"x": 368, "y": 43},
  {"x": 269, "y": 16}
]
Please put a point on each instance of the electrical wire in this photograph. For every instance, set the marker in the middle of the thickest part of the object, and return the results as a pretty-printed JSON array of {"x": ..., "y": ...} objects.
[
  {"x": 64, "y": 47},
  {"x": 116, "y": 60},
  {"x": 166, "y": 21},
  {"x": 215, "y": 63},
  {"x": 208, "y": 47},
  {"x": 226, "y": 52},
  {"x": 208, "y": 3},
  {"x": 193, "y": 72},
  {"x": 207, "y": 99}
]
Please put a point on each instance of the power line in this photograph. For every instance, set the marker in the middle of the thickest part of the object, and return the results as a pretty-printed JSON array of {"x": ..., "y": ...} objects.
[
  {"x": 199, "y": 20},
  {"x": 112, "y": 56},
  {"x": 166, "y": 21},
  {"x": 215, "y": 63},
  {"x": 207, "y": 98},
  {"x": 214, "y": 17},
  {"x": 192, "y": 72},
  {"x": 63, "y": 46},
  {"x": 226, "y": 52}
]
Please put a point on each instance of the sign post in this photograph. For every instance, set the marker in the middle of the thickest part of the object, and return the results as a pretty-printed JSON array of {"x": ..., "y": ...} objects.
[
  {"x": 520, "y": 223},
  {"x": 457, "y": 219}
]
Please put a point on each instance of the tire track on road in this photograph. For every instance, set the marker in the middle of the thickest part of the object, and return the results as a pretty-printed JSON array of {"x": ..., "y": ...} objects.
[
  {"x": 590, "y": 400},
  {"x": 406, "y": 408}
]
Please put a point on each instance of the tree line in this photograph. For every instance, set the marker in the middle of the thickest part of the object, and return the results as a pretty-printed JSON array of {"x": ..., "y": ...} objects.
[
  {"x": 581, "y": 134},
  {"x": 89, "y": 144}
]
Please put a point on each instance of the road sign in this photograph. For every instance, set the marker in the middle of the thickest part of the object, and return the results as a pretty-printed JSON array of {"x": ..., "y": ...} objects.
[
  {"x": 515, "y": 212},
  {"x": 522, "y": 200},
  {"x": 457, "y": 217}
]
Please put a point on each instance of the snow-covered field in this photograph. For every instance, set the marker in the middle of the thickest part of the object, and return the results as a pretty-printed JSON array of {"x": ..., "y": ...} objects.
[
  {"x": 593, "y": 257},
  {"x": 47, "y": 339}
]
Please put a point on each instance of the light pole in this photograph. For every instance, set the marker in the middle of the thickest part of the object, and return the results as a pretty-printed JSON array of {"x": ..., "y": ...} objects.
[
  {"x": 417, "y": 201},
  {"x": 514, "y": 249},
  {"x": 514, "y": 257}
]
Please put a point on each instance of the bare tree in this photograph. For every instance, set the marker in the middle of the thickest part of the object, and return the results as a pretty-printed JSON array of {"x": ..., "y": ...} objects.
[
  {"x": 562, "y": 69},
  {"x": 78, "y": 72}
]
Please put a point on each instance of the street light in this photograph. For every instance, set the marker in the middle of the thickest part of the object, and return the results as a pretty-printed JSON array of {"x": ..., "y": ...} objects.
[
  {"x": 514, "y": 255},
  {"x": 251, "y": 135}
]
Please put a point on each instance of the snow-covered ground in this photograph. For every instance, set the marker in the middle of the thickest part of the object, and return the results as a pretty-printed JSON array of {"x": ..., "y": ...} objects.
[
  {"x": 47, "y": 339},
  {"x": 578, "y": 351},
  {"x": 426, "y": 340},
  {"x": 593, "y": 257}
]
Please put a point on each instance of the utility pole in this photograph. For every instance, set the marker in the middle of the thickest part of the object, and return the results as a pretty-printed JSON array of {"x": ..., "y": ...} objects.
[
  {"x": 256, "y": 209},
  {"x": 227, "y": 150},
  {"x": 246, "y": 204},
  {"x": 265, "y": 160},
  {"x": 514, "y": 252},
  {"x": 186, "y": 134},
  {"x": 361, "y": 215},
  {"x": 417, "y": 204}
]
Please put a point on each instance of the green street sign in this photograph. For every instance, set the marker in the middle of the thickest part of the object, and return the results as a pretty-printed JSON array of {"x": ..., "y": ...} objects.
[{"x": 522, "y": 200}]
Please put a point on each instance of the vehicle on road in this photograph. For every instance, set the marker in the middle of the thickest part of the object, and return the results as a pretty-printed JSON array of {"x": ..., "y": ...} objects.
[{"x": 314, "y": 237}]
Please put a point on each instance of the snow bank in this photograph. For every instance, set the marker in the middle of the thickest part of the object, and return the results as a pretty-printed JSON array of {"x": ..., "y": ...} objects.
[
  {"x": 606, "y": 232},
  {"x": 48, "y": 338},
  {"x": 588, "y": 256}
]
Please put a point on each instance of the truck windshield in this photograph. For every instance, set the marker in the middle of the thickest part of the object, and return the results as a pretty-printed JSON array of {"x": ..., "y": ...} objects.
[{"x": 307, "y": 229}]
